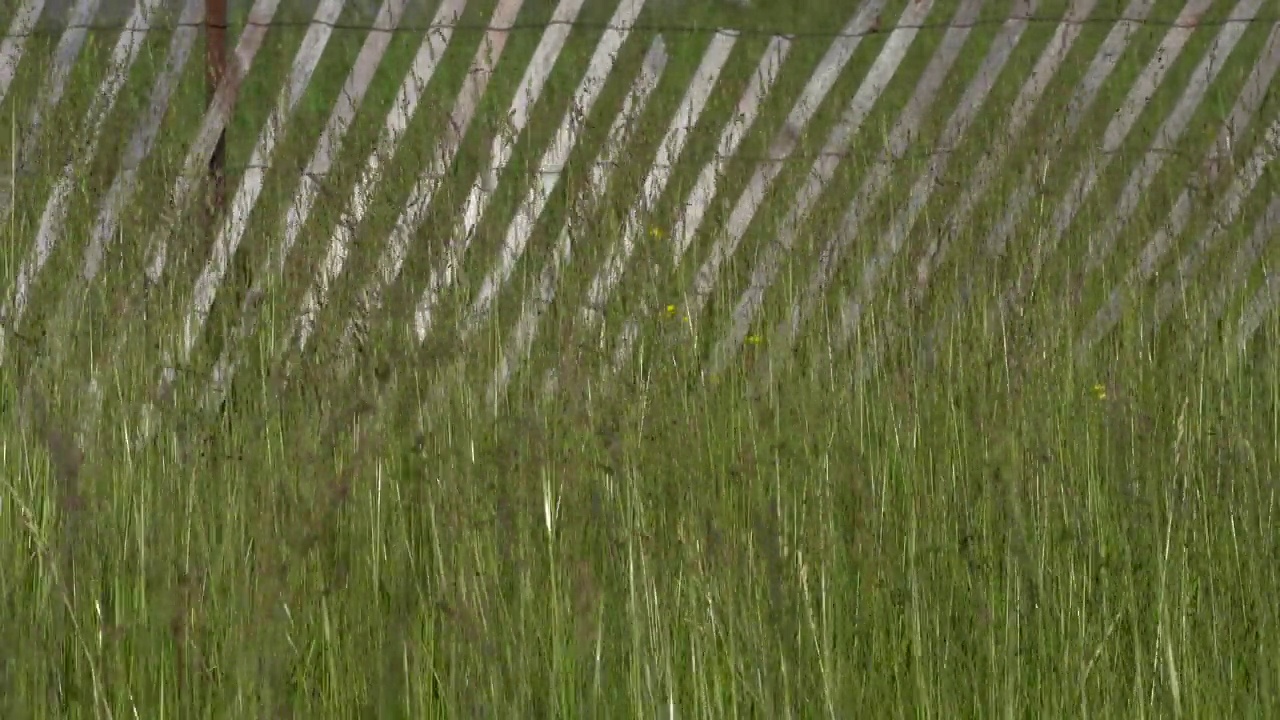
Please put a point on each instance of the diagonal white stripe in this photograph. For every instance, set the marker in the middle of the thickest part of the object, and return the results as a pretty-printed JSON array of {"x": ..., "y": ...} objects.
[
  {"x": 549, "y": 172},
  {"x": 397, "y": 122},
  {"x": 704, "y": 188},
  {"x": 526, "y": 97},
  {"x": 624, "y": 124},
  {"x": 51, "y": 220},
  {"x": 655, "y": 183},
  {"x": 329, "y": 145}
]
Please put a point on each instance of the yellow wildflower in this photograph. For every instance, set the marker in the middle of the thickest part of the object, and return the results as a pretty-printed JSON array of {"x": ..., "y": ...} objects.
[
  {"x": 673, "y": 311},
  {"x": 1100, "y": 391}
]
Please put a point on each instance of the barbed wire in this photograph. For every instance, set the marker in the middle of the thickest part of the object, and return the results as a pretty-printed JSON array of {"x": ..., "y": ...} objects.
[
  {"x": 915, "y": 156},
  {"x": 875, "y": 29}
]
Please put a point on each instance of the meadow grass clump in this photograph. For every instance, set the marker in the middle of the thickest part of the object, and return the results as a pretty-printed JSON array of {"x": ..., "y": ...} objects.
[{"x": 970, "y": 536}]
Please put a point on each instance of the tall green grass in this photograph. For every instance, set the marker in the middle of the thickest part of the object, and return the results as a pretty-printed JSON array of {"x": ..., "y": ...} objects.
[
  {"x": 987, "y": 534},
  {"x": 985, "y": 524}
]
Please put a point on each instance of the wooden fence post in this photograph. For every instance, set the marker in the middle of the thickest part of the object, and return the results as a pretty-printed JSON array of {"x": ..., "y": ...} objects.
[{"x": 215, "y": 70}]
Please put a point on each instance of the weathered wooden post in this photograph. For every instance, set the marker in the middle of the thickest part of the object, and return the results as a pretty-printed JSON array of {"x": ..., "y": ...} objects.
[{"x": 215, "y": 70}]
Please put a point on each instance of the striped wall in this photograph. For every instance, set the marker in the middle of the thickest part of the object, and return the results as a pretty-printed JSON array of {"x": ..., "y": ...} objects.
[{"x": 891, "y": 128}]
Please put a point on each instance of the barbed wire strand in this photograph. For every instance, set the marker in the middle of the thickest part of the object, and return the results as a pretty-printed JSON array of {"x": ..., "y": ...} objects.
[
  {"x": 662, "y": 28},
  {"x": 919, "y": 155}
]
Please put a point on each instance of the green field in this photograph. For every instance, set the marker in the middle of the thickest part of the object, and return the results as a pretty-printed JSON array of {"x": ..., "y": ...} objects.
[{"x": 954, "y": 513}]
